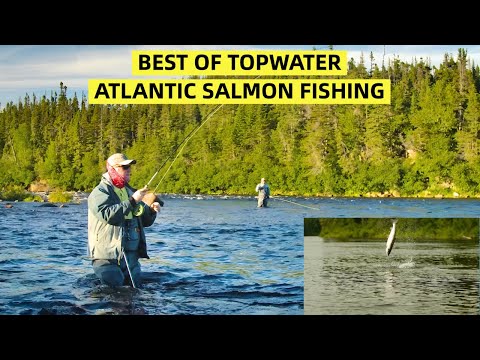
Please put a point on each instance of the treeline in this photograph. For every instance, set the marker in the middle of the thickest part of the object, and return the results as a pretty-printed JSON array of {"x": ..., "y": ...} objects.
[
  {"x": 425, "y": 143},
  {"x": 379, "y": 228}
]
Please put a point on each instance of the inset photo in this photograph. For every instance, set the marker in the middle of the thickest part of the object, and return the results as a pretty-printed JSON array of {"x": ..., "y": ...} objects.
[{"x": 391, "y": 266}]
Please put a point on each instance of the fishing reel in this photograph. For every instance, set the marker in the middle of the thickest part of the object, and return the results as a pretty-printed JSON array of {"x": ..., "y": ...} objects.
[{"x": 138, "y": 210}]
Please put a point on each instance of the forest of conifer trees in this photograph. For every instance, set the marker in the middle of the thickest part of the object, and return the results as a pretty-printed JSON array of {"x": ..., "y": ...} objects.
[
  {"x": 425, "y": 143},
  {"x": 413, "y": 229}
]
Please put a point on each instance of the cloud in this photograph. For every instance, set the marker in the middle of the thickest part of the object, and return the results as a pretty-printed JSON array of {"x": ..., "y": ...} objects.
[{"x": 39, "y": 69}]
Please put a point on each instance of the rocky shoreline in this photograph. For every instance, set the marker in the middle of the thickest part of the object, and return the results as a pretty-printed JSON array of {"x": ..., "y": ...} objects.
[{"x": 77, "y": 196}]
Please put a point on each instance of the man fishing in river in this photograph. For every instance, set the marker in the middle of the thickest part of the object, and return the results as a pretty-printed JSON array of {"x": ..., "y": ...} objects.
[
  {"x": 116, "y": 220},
  {"x": 263, "y": 193}
]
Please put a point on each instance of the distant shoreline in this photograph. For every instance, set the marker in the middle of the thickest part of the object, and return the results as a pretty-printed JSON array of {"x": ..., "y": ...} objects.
[{"x": 79, "y": 196}]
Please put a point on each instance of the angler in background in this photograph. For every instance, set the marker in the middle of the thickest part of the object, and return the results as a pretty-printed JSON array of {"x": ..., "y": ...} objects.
[
  {"x": 116, "y": 220},
  {"x": 263, "y": 193}
]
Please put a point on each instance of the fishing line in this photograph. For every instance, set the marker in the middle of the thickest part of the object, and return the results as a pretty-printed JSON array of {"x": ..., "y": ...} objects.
[
  {"x": 295, "y": 203},
  {"x": 184, "y": 142},
  {"x": 129, "y": 272},
  {"x": 174, "y": 150}
]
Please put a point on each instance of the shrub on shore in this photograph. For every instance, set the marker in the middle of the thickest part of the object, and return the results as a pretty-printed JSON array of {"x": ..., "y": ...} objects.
[{"x": 60, "y": 197}]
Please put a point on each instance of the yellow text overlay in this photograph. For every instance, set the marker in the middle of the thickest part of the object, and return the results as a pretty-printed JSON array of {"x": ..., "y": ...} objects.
[
  {"x": 239, "y": 91},
  {"x": 235, "y": 63}
]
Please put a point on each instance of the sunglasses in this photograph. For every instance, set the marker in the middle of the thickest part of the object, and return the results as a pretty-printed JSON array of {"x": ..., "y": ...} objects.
[{"x": 125, "y": 167}]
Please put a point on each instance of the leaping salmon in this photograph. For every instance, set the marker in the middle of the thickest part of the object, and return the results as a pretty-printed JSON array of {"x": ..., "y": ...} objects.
[{"x": 391, "y": 237}]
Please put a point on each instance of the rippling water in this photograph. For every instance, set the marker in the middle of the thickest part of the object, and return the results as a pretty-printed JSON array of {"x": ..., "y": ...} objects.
[
  {"x": 209, "y": 255},
  {"x": 356, "y": 278}
]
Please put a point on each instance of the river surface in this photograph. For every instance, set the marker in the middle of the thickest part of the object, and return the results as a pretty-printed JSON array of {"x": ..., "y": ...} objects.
[
  {"x": 218, "y": 256},
  {"x": 418, "y": 278}
]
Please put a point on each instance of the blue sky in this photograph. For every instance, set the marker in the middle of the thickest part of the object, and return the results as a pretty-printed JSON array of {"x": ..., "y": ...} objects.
[{"x": 39, "y": 69}]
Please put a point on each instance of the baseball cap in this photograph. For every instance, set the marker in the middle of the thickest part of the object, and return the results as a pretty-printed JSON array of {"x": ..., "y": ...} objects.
[{"x": 119, "y": 160}]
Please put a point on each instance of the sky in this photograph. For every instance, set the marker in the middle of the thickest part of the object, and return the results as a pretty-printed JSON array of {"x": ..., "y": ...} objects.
[{"x": 39, "y": 69}]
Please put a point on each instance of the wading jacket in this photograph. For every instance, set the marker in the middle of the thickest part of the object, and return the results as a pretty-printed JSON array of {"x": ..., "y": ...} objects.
[
  {"x": 106, "y": 222},
  {"x": 263, "y": 190}
]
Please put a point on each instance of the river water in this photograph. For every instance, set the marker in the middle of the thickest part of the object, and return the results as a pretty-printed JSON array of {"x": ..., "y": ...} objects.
[
  {"x": 418, "y": 278},
  {"x": 209, "y": 255}
]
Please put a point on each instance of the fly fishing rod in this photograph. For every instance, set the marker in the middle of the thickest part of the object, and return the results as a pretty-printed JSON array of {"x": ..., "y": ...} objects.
[{"x": 182, "y": 145}]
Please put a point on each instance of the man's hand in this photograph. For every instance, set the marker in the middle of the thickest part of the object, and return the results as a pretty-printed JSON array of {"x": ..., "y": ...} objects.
[
  {"x": 155, "y": 207},
  {"x": 139, "y": 194}
]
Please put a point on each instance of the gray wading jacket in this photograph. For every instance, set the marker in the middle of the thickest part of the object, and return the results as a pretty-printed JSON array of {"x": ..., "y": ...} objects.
[{"x": 106, "y": 222}]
